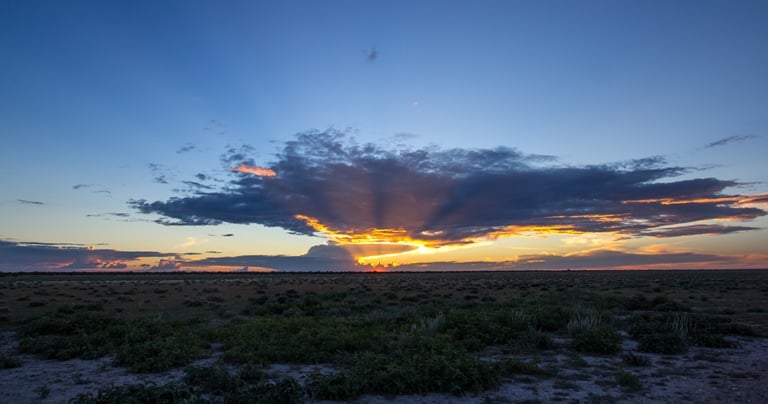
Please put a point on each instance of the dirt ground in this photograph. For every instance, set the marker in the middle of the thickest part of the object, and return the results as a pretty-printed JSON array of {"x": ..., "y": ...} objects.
[{"x": 703, "y": 375}]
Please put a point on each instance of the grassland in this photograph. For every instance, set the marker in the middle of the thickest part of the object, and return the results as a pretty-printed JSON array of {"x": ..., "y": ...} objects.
[{"x": 355, "y": 336}]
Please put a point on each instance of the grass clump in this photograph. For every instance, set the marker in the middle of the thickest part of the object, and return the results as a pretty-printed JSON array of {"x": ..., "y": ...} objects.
[
  {"x": 633, "y": 359},
  {"x": 661, "y": 333},
  {"x": 673, "y": 333},
  {"x": 169, "y": 393},
  {"x": 591, "y": 334}
]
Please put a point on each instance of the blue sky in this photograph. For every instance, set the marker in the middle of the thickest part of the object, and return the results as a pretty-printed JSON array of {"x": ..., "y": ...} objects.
[{"x": 104, "y": 103}]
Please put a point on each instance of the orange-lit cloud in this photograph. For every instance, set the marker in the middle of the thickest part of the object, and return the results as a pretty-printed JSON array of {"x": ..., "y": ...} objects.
[
  {"x": 738, "y": 200},
  {"x": 260, "y": 171},
  {"x": 422, "y": 200}
]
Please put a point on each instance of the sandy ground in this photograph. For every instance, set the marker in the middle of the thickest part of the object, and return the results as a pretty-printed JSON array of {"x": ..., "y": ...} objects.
[{"x": 703, "y": 375}]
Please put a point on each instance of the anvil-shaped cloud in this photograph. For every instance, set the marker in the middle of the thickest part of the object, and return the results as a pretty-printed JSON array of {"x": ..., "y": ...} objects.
[{"x": 325, "y": 182}]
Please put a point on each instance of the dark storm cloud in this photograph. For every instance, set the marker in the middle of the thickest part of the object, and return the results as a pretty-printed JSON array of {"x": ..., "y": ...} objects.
[
  {"x": 34, "y": 256},
  {"x": 455, "y": 195},
  {"x": 728, "y": 140}
]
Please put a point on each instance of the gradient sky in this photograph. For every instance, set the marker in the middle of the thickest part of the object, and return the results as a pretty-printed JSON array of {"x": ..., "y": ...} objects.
[{"x": 431, "y": 134}]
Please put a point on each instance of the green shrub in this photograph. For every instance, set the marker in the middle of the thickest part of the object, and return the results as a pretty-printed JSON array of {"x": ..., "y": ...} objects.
[
  {"x": 299, "y": 339},
  {"x": 144, "y": 346},
  {"x": 603, "y": 339},
  {"x": 337, "y": 386},
  {"x": 212, "y": 379},
  {"x": 411, "y": 365},
  {"x": 9, "y": 362},
  {"x": 667, "y": 343},
  {"x": 627, "y": 380},
  {"x": 159, "y": 346}
]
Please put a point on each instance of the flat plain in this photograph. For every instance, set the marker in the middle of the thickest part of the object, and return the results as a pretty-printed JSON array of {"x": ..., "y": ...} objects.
[{"x": 570, "y": 336}]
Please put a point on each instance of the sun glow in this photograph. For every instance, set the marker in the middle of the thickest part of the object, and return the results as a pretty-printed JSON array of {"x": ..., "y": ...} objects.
[{"x": 391, "y": 247}]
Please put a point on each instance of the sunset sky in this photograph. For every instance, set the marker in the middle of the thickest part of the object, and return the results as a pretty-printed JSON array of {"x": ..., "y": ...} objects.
[{"x": 419, "y": 135}]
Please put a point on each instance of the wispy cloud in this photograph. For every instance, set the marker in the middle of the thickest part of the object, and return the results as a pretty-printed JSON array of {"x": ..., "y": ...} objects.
[
  {"x": 353, "y": 193},
  {"x": 729, "y": 140},
  {"x": 196, "y": 185},
  {"x": 29, "y": 202}
]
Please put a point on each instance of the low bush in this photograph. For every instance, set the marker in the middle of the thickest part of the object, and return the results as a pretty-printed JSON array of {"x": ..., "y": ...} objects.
[
  {"x": 9, "y": 362},
  {"x": 170, "y": 393},
  {"x": 603, "y": 339},
  {"x": 628, "y": 381},
  {"x": 143, "y": 346}
]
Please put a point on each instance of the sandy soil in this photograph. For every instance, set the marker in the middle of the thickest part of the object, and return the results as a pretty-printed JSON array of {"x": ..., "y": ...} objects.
[{"x": 703, "y": 375}]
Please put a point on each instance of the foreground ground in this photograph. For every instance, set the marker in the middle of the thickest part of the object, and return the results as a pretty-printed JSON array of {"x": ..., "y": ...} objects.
[{"x": 647, "y": 336}]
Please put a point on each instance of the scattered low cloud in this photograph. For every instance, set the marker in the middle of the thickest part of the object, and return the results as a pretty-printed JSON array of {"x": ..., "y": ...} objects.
[
  {"x": 159, "y": 172},
  {"x": 372, "y": 54},
  {"x": 326, "y": 183},
  {"x": 81, "y": 186},
  {"x": 186, "y": 148},
  {"x": 729, "y": 140}
]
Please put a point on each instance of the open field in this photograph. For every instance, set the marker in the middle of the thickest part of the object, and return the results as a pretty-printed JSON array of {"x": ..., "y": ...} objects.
[{"x": 602, "y": 336}]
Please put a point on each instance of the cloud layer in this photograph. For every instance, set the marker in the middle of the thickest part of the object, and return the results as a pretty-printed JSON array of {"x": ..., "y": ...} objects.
[
  {"x": 353, "y": 193},
  {"x": 16, "y": 256}
]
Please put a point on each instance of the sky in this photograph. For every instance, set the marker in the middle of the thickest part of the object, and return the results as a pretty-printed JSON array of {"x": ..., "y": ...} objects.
[{"x": 383, "y": 135}]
